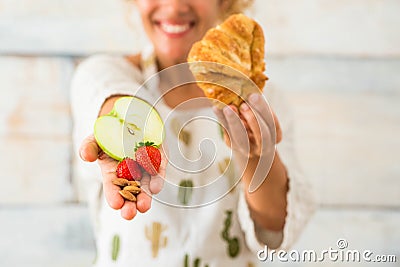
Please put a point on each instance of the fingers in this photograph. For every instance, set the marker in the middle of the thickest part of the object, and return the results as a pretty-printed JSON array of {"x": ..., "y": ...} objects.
[
  {"x": 221, "y": 117},
  {"x": 111, "y": 191},
  {"x": 258, "y": 103},
  {"x": 157, "y": 181},
  {"x": 89, "y": 149},
  {"x": 259, "y": 129},
  {"x": 237, "y": 130},
  {"x": 150, "y": 185},
  {"x": 128, "y": 210},
  {"x": 143, "y": 202},
  {"x": 253, "y": 124}
]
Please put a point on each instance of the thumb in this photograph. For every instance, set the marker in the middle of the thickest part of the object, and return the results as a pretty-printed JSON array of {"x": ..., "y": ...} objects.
[{"x": 89, "y": 150}]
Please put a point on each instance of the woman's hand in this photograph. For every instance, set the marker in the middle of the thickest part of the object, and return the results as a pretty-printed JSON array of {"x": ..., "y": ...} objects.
[
  {"x": 90, "y": 152},
  {"x": 248, "y": 131}
]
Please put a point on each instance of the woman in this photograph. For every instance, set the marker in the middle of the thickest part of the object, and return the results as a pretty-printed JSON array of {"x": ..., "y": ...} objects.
[{"x": 228, "y": 231}]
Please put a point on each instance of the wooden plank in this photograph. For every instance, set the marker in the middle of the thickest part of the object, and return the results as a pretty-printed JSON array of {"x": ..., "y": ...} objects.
[
  {"x": 46, "y": 236},
  {"x": 330, "y": 74},
  {"x": 35, "y": 170},
  {"x": 348, "y": 119},
  {"x": 351, "y": 28},
  {"x": 68, "y": 27},
  {"x": 35, "y": 98},
  {"x": 35, "y": 128},
  {"x": 348, "y": 145},
  {"x": 356, "y": 27}
]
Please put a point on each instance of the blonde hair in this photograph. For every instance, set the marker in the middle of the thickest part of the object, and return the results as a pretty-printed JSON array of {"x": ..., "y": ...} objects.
[{"x": 236, "y": 6}]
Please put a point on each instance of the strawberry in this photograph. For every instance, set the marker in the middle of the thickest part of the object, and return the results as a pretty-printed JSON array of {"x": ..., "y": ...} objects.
[
  {"x": 149, "y": 157},
  {"x": 129, "y": 169}
]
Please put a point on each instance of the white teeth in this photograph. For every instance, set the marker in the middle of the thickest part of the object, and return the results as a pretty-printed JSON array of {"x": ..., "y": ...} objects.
[{"x": 170, "y": 28}]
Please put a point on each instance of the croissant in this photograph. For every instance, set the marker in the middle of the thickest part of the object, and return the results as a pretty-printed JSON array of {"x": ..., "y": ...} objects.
[{"x": 238, "y": 46}]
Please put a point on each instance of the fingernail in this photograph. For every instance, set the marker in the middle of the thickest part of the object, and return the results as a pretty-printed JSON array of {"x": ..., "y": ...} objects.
[
  {"x": 228, "y": 111},
  {"x": 80, "y": 155},
  {"x": 254, "y": 98},
  {"x": 215, "y": 109},
  {"x": 244, "y": 107}
]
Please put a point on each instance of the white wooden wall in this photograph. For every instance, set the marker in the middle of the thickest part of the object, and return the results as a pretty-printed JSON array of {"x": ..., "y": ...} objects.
[{"x": 337, "y": 62}]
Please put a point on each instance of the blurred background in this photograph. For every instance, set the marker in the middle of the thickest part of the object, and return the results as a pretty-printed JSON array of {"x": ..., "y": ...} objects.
[{"x": 337, "y": 63}]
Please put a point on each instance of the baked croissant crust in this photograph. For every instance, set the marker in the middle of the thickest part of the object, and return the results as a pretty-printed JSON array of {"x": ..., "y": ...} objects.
[{"x": 237, "y": 44}]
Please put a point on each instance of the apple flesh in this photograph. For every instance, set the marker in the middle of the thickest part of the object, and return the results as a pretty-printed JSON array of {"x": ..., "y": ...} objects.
[{"x": 131, "y": 121}]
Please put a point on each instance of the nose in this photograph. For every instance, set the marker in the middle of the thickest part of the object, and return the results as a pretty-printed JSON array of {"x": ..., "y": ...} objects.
[{"x": 177, "y": 6}]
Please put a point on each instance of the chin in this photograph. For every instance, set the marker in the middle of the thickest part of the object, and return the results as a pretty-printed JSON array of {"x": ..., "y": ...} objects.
[{"x": 177, "y": 56}]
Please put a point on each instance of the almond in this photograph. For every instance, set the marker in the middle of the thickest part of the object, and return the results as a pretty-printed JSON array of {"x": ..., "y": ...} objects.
[
  {"x": 135, "y": 183},
  {"x": 127, "y": 195},
  {"x": 120, "y": 182},
  {"x": 133, "y": 189}
]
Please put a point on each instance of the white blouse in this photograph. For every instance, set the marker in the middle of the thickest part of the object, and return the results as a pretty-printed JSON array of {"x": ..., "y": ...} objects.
[{"x": 221, "y": 233}]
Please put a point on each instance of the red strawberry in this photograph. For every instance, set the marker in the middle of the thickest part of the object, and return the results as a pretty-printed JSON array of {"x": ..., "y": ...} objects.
[
  {"x": 129, "y": 169},
  {"x": 149, "y": 157}
]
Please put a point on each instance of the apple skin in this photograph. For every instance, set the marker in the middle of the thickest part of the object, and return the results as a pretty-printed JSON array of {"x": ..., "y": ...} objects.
[
  {"x": 132, "y": 120},
  {"x": 105, "y": 136}
]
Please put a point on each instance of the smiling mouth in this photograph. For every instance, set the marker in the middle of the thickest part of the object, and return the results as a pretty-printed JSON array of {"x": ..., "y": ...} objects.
[{"x": 170, "y": 28}]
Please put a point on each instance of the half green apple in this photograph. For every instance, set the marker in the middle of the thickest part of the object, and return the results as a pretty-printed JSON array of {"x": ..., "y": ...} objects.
[{"x": 131, "y": 121}]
